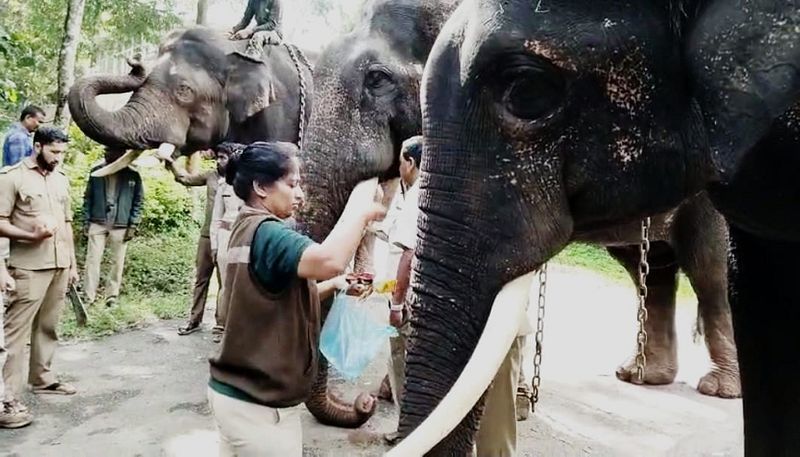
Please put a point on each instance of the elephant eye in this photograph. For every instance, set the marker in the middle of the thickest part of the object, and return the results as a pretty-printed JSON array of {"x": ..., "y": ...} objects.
[
  {"x": 378, "y": 81},
  {"x": 532, "y": 93}
]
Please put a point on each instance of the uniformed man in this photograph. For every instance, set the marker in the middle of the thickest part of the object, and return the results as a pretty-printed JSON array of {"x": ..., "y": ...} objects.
[
  {"x": 204, "y": 261},
  {"x": 35, "y": 215}
]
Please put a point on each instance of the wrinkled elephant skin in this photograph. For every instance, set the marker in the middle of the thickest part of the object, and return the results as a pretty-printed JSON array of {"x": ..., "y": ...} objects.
[{"x": 545, "y": 120}]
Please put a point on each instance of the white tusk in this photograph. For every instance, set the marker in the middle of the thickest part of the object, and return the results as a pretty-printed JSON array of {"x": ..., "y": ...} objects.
[
  {"x": 493, "y": 345},
  {"x": 117, "y": 165},
  {"x": 165, "y": 151}
]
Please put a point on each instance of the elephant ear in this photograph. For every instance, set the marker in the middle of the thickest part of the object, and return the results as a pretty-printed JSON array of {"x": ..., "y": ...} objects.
[
  {"x": 248, "y": 87},
  {"x": 744, "y": 63}
]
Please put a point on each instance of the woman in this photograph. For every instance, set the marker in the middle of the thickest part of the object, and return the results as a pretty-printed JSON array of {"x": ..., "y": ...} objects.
[{"x": 268, "y": 358}]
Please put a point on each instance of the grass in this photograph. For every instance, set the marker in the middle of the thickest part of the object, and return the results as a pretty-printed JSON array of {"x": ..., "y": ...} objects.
[
  {"x": 131, "y": 311},
  {"x": 597, "y": 259}
]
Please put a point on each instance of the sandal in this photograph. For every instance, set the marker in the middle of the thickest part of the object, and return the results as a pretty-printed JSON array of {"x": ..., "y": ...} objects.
[
  {"x": 217, "y": 337},
  {"x": 188, "y": 329},
  {"x": 57, "y": 388}
]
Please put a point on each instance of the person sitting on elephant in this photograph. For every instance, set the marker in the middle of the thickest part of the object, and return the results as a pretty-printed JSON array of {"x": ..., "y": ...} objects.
[
  {"x": 268, "y": 357},
  {"x": 268, "y": 17}
]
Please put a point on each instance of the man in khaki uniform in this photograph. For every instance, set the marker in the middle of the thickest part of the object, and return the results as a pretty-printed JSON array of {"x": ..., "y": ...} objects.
[
  {"x": 35, "y": 215},
  {"x": 205, "y": 260}
]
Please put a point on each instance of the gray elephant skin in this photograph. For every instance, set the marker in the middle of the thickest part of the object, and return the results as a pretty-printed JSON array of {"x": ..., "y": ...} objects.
[
  {"x": 202, "y": 90},
  {"x": 367, "y": 102},
  {"x": 546, "y": 120}
]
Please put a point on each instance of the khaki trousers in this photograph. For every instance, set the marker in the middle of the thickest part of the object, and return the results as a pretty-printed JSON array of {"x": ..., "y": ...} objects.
[
  {"x": 3, "y": 353},
  {"x": 497, "y": 434},
  {"x": 223, "y": 236},
  {"x": 98, "y": 236},
  {"x": 33, "y": 313},
  {"x": 251, "y": 430},
  {"x": 205, "y": 268},
  {"x": 397, "y": 363}
]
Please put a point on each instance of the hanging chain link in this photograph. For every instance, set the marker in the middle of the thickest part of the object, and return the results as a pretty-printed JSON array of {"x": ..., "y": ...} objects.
[
  {"x": 537, "y": 357},
  {"x": 301, "y": 125},
  {"x": 641, "y": 316}
]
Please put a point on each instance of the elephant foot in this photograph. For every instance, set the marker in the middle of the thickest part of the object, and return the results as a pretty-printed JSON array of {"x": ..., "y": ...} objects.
[
  {"x": 661, "y": 368},
  {"x": 720, "y": 383}
]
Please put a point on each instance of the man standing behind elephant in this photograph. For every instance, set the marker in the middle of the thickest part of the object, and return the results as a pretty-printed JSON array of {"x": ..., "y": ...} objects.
[
  {"x": 268, "y": 19},
  {"x": 112, "y": 209},
  {"x": 226, "y": 209},
  {"x": 205, "y": 259}
]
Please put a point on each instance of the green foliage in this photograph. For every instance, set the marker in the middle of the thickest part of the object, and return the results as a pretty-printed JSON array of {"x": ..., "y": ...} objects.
[
  {"x": 167, "y": 206},
  {"x": 31, "y": 34},
  {"x": 597, "y": 259},
  {"x": 159, "y": 266}
]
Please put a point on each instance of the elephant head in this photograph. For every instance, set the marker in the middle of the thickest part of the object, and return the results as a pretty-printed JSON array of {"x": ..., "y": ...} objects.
[
  {"x": 366, "y": 102},
  {"x": 200, "y": 90},
  {"x": 542, "y": 119}
]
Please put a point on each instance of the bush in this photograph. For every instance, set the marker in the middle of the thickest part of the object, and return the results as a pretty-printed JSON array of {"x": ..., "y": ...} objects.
[
  {"x": 159, "y": 266},
  {"x": 168, "y": 206}
]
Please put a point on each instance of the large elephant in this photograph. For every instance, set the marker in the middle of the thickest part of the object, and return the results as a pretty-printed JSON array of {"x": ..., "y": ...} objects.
[
  {"x": 544, "y": 120},
  {"x": 367, "y": 102},
  {"x": 202, "y": 89}
]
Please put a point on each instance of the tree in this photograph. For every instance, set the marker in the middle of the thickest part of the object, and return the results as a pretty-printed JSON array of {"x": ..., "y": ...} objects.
[{"x": 67, "y": 56}]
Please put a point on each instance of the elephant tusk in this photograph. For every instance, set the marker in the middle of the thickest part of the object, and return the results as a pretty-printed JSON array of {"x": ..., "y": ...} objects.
[
  {"x": 491, "y": 350},
  {"x": 117, "y": 165}
]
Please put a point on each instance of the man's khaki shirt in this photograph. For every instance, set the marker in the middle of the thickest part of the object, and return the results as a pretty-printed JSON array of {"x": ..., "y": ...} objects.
[{"x": 28, "y": 198}]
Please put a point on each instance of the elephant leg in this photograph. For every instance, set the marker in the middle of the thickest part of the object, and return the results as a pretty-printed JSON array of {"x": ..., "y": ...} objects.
[
  {"x": 766, "y": 313},
  {"x": 701, "y": 245},
  {"x": 661, "y": 349}
]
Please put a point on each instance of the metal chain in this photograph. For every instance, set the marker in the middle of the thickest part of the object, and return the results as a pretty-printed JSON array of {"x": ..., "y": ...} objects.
[
  {"x": 301, "y": 125},
  {"x": 641, "y": 315},
  {"x": 537, "y": 357}
]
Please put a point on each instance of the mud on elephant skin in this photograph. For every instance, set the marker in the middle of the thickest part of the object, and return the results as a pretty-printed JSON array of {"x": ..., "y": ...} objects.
[
  {"x": 544, "y": 119},
  {"x": 202, "y": 89}
]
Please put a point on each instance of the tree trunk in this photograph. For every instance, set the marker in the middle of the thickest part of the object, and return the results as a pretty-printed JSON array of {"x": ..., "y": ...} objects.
[
  {"x": 66, "y": 58},
  {"x": 202, "y": 10}
]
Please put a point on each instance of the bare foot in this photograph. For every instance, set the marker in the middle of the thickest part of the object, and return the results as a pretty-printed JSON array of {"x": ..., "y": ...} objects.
[
  {"x": 720, "y": 383},
  {"x": 661, "y": 367}
]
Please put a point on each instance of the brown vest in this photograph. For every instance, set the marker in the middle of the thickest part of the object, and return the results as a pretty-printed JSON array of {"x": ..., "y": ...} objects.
[{"x": 271, "y": 341}]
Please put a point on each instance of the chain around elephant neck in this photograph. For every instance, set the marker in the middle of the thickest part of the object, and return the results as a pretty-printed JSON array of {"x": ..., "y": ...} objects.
[
  {"x": 301, "y": 124},
  {"x": 537, "y": 357},
  {"x": 641, "y": 315}
]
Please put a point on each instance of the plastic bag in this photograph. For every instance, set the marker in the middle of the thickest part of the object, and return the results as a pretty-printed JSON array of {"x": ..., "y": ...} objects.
[{"x": 351, "y": 337}]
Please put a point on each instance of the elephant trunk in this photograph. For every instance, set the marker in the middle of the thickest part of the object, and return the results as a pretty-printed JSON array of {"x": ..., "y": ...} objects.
[
  {"x": 137, "y": 125},
  {"x": 327, "y": 187}
]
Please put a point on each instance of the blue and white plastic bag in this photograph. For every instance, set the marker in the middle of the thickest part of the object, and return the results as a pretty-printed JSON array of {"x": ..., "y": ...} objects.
[{"x": 351, "y": 337}]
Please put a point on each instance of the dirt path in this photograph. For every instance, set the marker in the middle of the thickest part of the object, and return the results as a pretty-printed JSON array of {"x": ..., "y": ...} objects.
[{"x": 142, "y": 393}]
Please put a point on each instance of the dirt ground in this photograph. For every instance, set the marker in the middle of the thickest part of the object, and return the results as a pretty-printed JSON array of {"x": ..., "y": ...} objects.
[{"x": 143, "y": 393}]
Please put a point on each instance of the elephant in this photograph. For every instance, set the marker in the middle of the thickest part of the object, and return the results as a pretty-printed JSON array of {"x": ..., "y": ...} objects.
[
  {"x": 200, "y": 92},
  {"x": 202, "y": 89},
  {"x": 545, "y": 120},
  {"x": 367, "y": 102}
]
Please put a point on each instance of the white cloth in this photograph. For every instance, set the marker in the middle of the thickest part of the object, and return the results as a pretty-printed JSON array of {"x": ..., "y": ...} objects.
[{"x": 405, "y": 232}]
